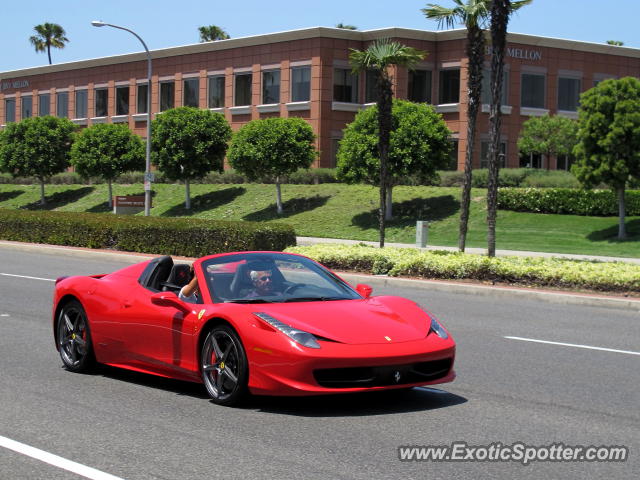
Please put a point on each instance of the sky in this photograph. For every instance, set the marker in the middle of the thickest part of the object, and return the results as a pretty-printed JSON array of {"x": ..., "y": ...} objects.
[{"x": 163, "y": 25}]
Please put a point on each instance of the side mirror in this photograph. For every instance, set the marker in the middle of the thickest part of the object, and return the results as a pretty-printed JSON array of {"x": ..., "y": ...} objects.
[
  {"x": 364, "y": 290},
  {"x": 167, "y": 299}
]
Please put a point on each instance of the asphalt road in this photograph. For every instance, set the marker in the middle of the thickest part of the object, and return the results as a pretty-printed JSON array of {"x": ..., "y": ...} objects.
[{"x": 136, "y": 426}]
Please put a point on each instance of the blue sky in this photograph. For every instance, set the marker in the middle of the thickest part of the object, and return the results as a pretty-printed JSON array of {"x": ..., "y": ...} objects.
[{"x": 160, "y": 25}]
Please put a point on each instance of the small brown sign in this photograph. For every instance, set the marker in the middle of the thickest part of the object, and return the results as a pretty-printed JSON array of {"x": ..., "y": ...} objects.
[{"x": 129, "y": 201}]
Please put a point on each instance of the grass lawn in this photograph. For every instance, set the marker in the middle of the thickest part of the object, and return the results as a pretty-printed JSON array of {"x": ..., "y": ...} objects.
[{"x": 349, "y": 211}]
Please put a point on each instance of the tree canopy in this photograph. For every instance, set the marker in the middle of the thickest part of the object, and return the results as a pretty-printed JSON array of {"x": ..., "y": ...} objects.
[
  {"x": 211, "y": 33},
  {"x": 548, "y": 135},
  {"x": 273, "y": 147},
  {"x": 608, "y": 149},
  {"x": 106, "y": 150},
  {"x": 419, "y": 145},
  {"x": 187, "y": 143},
  {"x": 48, "y": 35},
  {"x": 37, "y": 147}
]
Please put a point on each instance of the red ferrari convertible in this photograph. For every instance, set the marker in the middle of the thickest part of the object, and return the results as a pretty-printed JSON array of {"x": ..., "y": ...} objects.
[{"x": 268, "y": 323}]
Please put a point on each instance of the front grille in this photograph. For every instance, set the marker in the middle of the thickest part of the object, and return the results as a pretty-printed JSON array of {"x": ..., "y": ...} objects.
[{"x": 378, "y": 376}]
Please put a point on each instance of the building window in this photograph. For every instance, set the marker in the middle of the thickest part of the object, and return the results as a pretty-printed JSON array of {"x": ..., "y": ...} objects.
[
  {"x": 216, "y": 91},
  {"x": 271, "y": 87},
  {"x": 62, "y": 104},
  {"x": 568, "y": 94},
  {"x": 81, "y": 104},
  {"x": 532, "y": 90},
  {"x": 370, "y": 84},
  {"x": 453, "y": 156},
  {"x": 449, "y": 86},
  {"x": 102, "y": 98},
  {"x": 419, "y": 89},
  {"x": 243, "y": 89},
  {"x": 143, "y": 94},
  {"x": 531, "y": 160},
  {"x": 10, "y": 110},
  {"x": 26, "y": 110},
  {"x": 486, "y": 87},
  {"x": 345, "y": 86},
  {"x": 122, "y": 100},
  {"x": 44, "y": 104},
  {"x": 300, "y": 84},
  {"x": 167, "y": 95},
  {"x": 564, "y": 162},
  {"x": 484, "y": 154},
  {"x": 191, "y": 92}
]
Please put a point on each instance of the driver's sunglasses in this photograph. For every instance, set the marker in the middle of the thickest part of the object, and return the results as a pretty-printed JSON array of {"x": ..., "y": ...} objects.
[{"x": 264, "y": 278}]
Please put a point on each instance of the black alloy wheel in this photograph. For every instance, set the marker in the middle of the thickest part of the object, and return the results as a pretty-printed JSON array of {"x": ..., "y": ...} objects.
[
  {"x": 74, "y": 339},
  {"x": 224, "y": 366}
]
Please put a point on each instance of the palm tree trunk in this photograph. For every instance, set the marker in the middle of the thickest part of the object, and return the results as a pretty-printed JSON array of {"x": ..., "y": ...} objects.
[
  {"x": 43, "y": 200},
  {"x": 187, "y": 195},
  {"x": 110, "y": 194},
  {"x": 384, "y": 127},
  {"x": 499, "y": 19},
  {"x": 49, "y": 52},
  {"x": 475, "y": 54},
  {"x": 622, "y": 233},
  {"x": 278, "y": 196}
]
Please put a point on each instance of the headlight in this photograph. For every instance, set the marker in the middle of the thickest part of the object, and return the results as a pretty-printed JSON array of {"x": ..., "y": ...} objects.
[
  {"x": 437, "y": 329},
  {"x": 305, "y": 339}
]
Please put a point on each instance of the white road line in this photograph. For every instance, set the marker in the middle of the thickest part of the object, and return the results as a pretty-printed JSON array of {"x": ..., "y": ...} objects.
[
  {"x": 602, "y": 349},
  {"x": 55, "y": 460},
  {"x": 30, "y": 278}
]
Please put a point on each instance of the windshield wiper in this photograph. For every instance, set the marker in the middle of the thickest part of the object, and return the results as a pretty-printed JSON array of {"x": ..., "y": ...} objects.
[
  {"x": 313, "y": 299},
  {"x": 248, "y": 300}
]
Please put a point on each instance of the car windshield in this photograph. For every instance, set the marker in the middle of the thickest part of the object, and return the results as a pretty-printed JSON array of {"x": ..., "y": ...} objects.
[{"x": 272, "y": 278}]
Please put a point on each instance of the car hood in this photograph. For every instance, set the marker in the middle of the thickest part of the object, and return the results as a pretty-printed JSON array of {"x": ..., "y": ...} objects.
[{"x": 373, "y": 320}]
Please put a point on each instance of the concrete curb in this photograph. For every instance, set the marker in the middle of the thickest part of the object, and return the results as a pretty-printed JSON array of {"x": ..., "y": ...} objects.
[{"x": 565, "y": 298}]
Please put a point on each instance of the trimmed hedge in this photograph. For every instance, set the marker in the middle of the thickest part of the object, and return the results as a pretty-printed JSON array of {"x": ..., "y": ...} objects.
[
  {"x": 602, "y": 203},
  {"x": 166, "y": 236},
  {"x": 554, "y": 272}
]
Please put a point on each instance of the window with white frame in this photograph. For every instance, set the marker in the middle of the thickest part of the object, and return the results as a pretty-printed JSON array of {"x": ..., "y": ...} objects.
[
  {"x": 44, "y": 104},
  {"x": 564, "y": 162},
  {"x": 191, "y": 92},
  {"x": 419, "y": 87},
  {"x": 484, "y": 154},
  {"x": 216, "y": 91},
  {"x": 301, "y": 84},
  {"x": 26, "y": 109},
  {"x": 81, "y": 104},
  {"x": 532, "y": 90},
  {"x": 486, "y": 87},
  {"x": 449, "y": 86},
  {"x": 453, "y": 156},
  {"x": 370, "y": 86},
  {"x": 242, "y": 93},
  {"x": 101, "y": 102},
  {"x": 531, "y": 160},
  {"x": 271, "y": 86},
  {"x": 142, "y": 98},
  {"x": 122, "y": 100},
  {"x": 9, "y": 110},
  {"x": 345, "y": 86},
  {"x": 62, "y": 104},
  {"x": 568, "y": 94},
  {"x": 167, "y": 95}
]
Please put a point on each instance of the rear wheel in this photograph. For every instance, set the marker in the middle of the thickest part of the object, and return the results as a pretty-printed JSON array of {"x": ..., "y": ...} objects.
[
  {"x": 224, "y": 366},
  {"x": 74, "y": 338}
]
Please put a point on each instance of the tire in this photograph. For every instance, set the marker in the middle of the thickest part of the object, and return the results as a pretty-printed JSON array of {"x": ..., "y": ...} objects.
[
  {"x": 224, "y": 366},
  {"x": 74, "y": 338}
]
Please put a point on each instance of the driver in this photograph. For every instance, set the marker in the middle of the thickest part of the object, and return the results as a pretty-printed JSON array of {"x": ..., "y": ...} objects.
[{"x": 262, "y": 281}]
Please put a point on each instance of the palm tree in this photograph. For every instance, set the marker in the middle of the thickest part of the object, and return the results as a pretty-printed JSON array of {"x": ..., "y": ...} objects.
[
  {"x": 48, "y": 35},
  {"x": 474, "y": 15},
  {"x": 500, "y": 10},
  {"x": 381, "y": 56},
  {"x": 346, "y": 27},
  {"x": 212, "y": 33},
  {"x": 616, "y": 43}
]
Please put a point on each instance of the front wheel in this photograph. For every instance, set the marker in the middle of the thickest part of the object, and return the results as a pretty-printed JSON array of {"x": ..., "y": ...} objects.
[
  {"x": 74, "y": 338},
  {"x": 224, "y": 366}
]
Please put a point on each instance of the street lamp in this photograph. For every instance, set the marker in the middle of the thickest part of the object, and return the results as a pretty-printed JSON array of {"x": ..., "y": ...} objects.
[{"x": 147, "y": 170}]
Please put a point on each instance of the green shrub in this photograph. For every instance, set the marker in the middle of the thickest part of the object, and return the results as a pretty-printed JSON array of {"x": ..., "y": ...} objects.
[
  {"x": 602, "y": 203},
  {"x": 549, "y": 179},
  {"x": 555, "y": 272},
  {"x": 168, "y": 236}
]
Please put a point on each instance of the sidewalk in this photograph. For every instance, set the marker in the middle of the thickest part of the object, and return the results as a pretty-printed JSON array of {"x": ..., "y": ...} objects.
[{"x": 479, "y": 251}]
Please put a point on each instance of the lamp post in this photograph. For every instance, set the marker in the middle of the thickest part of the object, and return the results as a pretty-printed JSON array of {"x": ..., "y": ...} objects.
[{"x": 147, "y": 169}]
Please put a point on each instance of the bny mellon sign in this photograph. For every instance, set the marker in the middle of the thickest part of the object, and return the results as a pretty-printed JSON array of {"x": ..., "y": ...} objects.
[{"x": 521, "y": 53}]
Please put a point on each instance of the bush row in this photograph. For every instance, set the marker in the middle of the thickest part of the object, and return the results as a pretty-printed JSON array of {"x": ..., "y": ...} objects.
[
  {"x": 555, "y": 272},
  {"x": 167, "y": 236},
  {"x": 567, "y": 201},
  {"x": 512, "y": 177}
]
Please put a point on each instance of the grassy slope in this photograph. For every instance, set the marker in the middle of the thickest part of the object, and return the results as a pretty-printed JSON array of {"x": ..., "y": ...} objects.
[{"x": 341, "y": 211}]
